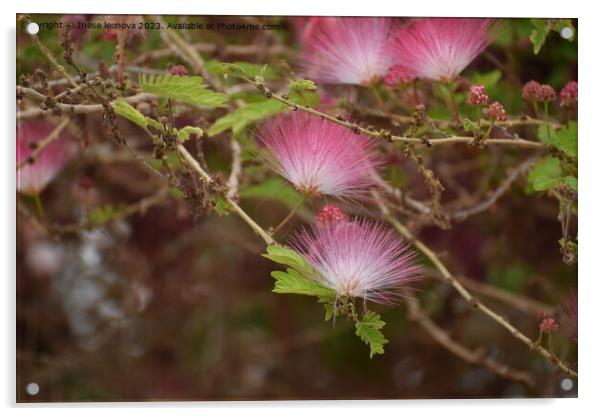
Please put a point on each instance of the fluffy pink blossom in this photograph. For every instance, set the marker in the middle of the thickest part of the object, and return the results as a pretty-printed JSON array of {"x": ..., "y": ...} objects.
[
  {"x": 347, "y": 50},
  {"x": 319, "y": 157},
  {"x": 306, "y": 27},
  {"x": 440, "y": 48},
  {"x": 33, "y": 177},
  {"x": 359, "y": 258}
]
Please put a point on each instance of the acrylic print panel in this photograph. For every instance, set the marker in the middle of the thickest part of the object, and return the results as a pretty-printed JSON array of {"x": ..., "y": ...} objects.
[{"x": 270, "y": 208}]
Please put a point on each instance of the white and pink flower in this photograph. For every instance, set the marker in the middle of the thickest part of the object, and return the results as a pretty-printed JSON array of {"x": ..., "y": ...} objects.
[
  {"x": 359, "y": 258},
  {"x": 438, "y": 49},
  {"x": 347, "y": 50},
  {"x": 319, "y": 157}
]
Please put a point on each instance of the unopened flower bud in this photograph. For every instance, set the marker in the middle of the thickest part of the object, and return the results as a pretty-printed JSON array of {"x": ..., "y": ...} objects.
[{"x": 477, "y": 95}]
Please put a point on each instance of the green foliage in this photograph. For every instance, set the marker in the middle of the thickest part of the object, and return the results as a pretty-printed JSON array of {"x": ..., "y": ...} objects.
[
  {"x": 189, "y": 89},
  {"x": 469, "y": 126},
  {"x": 293, "y": 282},
  {"x": 513, "y": 277},
  {"x": 541, "y": 29},
  {"x": 125, "y": 110},
  {"x": 240, "y": 118},
  {"x": 302, "y": 85},
  {"x": 487, "y": 79},
  {"x": 564, "y": 139},
  {"x": 273, "y": 188},
  {"x": 369, "y": 330},
  {"x": 241, "y": 70},
  {"x": 288, "y": 257},
  {"x": 102, "y": 214},
  {"x": 221, "y": 206},
  {"x": 185, "y": 132}
]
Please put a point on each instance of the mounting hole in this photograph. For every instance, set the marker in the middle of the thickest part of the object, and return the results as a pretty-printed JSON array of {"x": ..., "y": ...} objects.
[
  {"x": 566, "y": 32},
  {"x": 32, "y": 28},
  {"x": 566, "y": 384},
  {"x": 32, "y": 389}
]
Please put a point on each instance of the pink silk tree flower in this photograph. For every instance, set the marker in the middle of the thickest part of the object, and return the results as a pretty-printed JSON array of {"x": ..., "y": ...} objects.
[
  {"x": 37, "y": 173},
  {"x": 359, "y": 258},
  {"x": 439, "y": 49},
  {"x": 319, "y": 157},
  {"x": 348, "y": 50},
  {"x": 305, "y": 27}
]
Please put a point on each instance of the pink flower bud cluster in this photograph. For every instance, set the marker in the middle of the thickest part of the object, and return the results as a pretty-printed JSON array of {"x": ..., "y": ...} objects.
[
  {"x": 496, "y": 111},
  {"x": 548, "y": 324},
  {"x": 398, "y": 74},
  {"x": 178, "y": 70},
  {"x": 568, "y": 94},
  {"x": 477, "y": 95},
  {"x": 534, "y": 91},
  {"x": 330, "y": 215}
]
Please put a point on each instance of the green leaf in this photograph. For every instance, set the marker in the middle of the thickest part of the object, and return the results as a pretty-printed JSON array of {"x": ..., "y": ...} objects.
[
  {"x": 154, "y": 124},
  {"x": 538, "y": 34},
  {"x": 293, "y": 282},
  {"x": 571, "y": 182},
  {"x": 221, "y": 206},
  {"x": 240, "y": 69},
  {"x": 185, "y": 132},
  {"x": 302, "y": 85},
  {"x": 544, "y": 173},
  {"x": 369, "y": 330},
  {"x": 102, "y": 214},
  {"x": 468, "y": 125},
  {"x": 189, "y": 89},
  {"x": 240, "y": 118},
  {"x": 273, "y": 188},
  {"x": 564, "y": 139},
  {"x": 125, "y": 110},
  {"x": 487, "y": 79},
  {"x": 288, "y": 257}
]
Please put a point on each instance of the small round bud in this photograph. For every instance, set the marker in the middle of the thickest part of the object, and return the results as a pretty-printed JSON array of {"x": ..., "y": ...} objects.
[
  {"x": 548, "y": 324},
  {"x": 496, "y": 111},
  {"x": 178, "y": 70},
  {"x": 477, "y": 95},
  {"x": 568, "y": 94},
  {"x": 531, "y": 90},
  {"x": 546, "y": 93},
  {"x": 397, "y": 74},
  {"x": 330, "y": 215}
]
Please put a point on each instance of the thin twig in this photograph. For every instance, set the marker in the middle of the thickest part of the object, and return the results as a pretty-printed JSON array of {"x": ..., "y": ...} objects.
[
  {"x": 236, "y": 169},
  {"x": 462, "y": 214},
  {"x": 382, "y": 134},
  {"x": 235, "y": 207},
  {"x": 455, "y": 283},
  {"x": 415, "y": 313},
  {"x": 53, "y": 61},
  {"x": 72, "y": 108}
]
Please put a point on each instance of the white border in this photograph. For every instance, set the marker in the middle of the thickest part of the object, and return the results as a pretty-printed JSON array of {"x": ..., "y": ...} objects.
[{"x": 590, "y": 141}]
